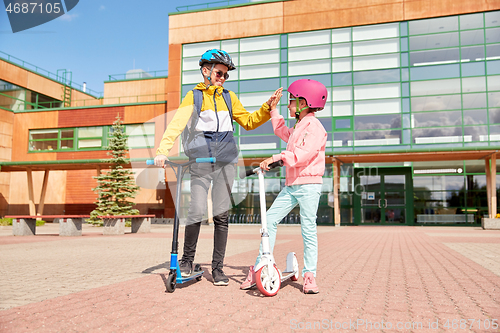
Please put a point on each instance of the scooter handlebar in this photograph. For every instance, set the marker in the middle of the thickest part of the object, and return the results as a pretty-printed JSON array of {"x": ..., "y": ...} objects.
[
  {"x": 245, "y": 173},
  {"x": 198, "y": 160}
]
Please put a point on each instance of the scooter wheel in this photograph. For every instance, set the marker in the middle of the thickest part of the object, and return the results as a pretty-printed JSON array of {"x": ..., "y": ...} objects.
[
  {"x": 269, "y": 283},
  {"x": 198, "y": 278},
  {"x": 171, "y": 282}
]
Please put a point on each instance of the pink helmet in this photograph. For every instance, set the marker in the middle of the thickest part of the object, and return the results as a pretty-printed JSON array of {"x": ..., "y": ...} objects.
[{"x": 313, "y": 91}]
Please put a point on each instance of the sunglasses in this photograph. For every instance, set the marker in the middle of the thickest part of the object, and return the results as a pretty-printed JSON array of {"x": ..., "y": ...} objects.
[{"x": 221, "y": 74}]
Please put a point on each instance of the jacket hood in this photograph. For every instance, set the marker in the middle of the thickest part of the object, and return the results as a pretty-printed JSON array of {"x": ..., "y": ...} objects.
[{"x": 210, "y": 90}]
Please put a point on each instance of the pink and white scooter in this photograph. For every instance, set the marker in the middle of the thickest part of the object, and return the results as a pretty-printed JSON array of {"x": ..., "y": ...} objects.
[{"x": 268, "y": 276}]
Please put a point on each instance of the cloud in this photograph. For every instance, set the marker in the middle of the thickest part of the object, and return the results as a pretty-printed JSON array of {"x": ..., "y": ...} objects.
[
  {"x": 102, "y": 7},
  {"x": 68, "y": 17}
]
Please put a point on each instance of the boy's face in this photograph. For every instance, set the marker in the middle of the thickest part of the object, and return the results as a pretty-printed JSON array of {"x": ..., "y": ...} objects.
[{"x": 219, "y": 74}]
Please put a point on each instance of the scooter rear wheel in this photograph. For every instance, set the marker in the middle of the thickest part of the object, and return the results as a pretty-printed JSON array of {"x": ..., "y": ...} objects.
[
  {"x": 171, "y": 282},
  {"x": 268, "y": 283}
]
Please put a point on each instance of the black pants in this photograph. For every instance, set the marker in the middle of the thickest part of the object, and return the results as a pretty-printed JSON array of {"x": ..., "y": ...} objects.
[{"x": 222, "y": 178}]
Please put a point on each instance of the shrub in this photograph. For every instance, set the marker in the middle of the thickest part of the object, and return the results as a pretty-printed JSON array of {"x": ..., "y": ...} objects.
[{"x": 5, "y": 221}]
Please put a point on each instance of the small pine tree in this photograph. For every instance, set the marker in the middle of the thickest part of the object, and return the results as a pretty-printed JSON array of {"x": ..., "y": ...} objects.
[{"x": 117, "y": 185}]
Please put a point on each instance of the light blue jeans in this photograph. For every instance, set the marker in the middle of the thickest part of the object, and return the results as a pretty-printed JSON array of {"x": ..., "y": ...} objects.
[{"x": 307, "y": 197}]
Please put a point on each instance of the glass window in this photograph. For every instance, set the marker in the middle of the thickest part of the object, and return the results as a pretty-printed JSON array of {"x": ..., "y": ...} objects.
[
  {"x": 377, "y": 138},
  {"x": 266, "y": 128},
  {"x": 197, "y": 49},
  {"x": 258, "y": 84},
  {"x": 434, "y": 57},
  {"x": 475, "y": 117},
  {"x": 309, "y": 67},
  {"x": 435, "y": 87},
  {"x": 474, "y": 101},
  {"x": 492, "y": 19},
  {"x": 376, "y": 47},
  {"x": 472, "y": 53},
  {"x": 473, "y": 84},
  {"x": 471, "y": 21},
  {"x": 475, "y": 133},
  {"x": 389, "y": 90},
  {"x": 341, "y": 35},
  {"x": 494, "y": 133},
  {"x": 342, "y": 139},
  {"x": 89, "y": 132},
  {"x": 433, "y": 25},
  {"x": 431, "y": 103},
  {"x": 342, "y": 109},
  {"x": 377, "y": 76},
  {"x": 190, "y": 64},
  {"x": 377, "y": 122},
  {"x": 434, "y": 41},
  {"x": 405, "y": 89},
  {"x": 472, "y": 37},
  {"x": 435, "y": 72},
  {"x": 494, "y": 116},
  {"x": 259, "y": 43},
  {"x": 384, "y": 106},
  {"x": 341, "y": 94},
  {"x": 493, "y": 51},
  {"x": 404, "y": 59},
  {"x": 90, "y": 143},
  {"x": 341, "y": 79},
  {"x": 494, "y": 99},
  {"x": 494, "y": 82},
  {"x": 230, "y": 45},
  {"x": 309, "y": 38},
  {"x": 433, "y": 119},
  {"x": 375, "y": 31},
  {"x": 341, "y": 65},
  {"x": 493, "y": 67},
  {"x": 439, "y": 183},
  {"x": 438, "y": 135},
  {"x": 192, "y": 77},
  {"x": 472, "y": 69},
  {"x": 403, "y": 28},
  {"x": 140, "y": 135},
  {"x": 404, "y": 44},
  {"x": 343, "y": 123},
  {"x": 260, "y": 57},
  {"x": 309, "y": 53},
  {"x": 376, "y": 62},
  {"x": 323, "y": 78},
  {"x": 254, "y": 99},
  {"x": 341, "y": 50},
  {"x": 43, "y": 139},
  {"x": 259, "y": 71}
]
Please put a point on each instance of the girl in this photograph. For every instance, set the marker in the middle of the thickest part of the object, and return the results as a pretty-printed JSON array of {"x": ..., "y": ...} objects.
[{"x": 304, "y": 159}]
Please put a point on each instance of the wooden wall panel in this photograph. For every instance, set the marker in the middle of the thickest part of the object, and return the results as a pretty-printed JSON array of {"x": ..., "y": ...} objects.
[
  {"x": 90, "y": 117},
  {"x": 83, "y": 99},
  {"x": 155, "y": 88},
  {"x": 135, "y": 114},
  {"x": 79, "y": 185},
  {"x": 82, "y": 155},
  {"x": 13, "y": 74},
  {"x": 6, "y": 130},
  {"x": 56, "y": 187},
  {"x": 45, "y": 86},
  {"x": 254, "y": 20},
  {"x": 298, "y": 15},
  {"x": 23, "y": 122}
]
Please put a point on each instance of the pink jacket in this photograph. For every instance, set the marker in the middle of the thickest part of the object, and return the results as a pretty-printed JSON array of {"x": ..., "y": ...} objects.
[{"x": 304, "y": 157}]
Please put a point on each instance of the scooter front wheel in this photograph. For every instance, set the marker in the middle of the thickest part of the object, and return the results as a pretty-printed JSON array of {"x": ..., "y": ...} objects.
[
  {"x": 171, "y": 282},
  {"x": 268, "y": 283}
]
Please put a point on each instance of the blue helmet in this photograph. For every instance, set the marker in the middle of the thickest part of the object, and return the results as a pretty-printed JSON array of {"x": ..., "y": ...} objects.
[{"x": 215, "y": 56}]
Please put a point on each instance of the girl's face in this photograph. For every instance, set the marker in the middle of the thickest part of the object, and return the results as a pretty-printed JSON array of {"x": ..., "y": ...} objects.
[{"x": 292, "y": 105}]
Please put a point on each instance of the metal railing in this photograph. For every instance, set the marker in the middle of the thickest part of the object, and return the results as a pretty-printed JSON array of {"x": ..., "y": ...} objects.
[
  {"x": 214, "y": 4},
  {"x": 138, "y": 75},
  {"x": 120, "y": 100},
  {"x": 59, "y": 78}
]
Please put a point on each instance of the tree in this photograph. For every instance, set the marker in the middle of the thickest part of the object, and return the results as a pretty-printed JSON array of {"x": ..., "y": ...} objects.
[{"x": 116, "y": 186}]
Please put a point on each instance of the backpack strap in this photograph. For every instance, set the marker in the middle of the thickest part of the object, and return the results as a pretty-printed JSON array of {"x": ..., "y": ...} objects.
[{"x": 229, "y": 104}]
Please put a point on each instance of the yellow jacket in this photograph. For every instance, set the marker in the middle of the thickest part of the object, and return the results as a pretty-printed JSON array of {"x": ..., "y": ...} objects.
[{"x": 209, "y": 119}]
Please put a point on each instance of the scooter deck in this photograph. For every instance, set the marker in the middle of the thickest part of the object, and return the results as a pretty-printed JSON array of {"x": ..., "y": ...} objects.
[
  {"x": 194, "y": 275},
  {"x": 286, "y": 275}
]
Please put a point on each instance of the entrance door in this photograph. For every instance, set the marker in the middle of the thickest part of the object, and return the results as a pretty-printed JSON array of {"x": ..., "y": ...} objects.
[{"x": 383, "y": 196}]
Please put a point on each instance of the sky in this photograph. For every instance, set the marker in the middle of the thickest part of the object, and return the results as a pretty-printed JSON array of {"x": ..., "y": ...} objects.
[{"x": 97, "y": 38}]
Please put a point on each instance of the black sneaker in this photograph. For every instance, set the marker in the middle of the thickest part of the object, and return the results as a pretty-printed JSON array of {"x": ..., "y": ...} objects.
[
  {"x": 220, "y": 279},
  {"x": 186, "y": 267}
]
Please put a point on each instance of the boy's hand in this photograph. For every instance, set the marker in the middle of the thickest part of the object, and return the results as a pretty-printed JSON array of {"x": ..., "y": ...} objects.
[
  {"x": 160, "y": 160},
  {"x": 264, "y": 165},
  {"x": 275, "y": 98}
]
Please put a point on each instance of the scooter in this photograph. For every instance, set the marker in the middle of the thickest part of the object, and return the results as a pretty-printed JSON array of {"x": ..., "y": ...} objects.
[
  {"x": 175, "y": 276},
  {"x": 268, "y": 276}
]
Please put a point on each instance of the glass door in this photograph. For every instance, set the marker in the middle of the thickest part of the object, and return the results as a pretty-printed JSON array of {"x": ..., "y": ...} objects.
[{"x": 383, "y": 196}]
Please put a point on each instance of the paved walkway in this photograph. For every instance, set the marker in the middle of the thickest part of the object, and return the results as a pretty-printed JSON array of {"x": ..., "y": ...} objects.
[{"x": 371, "y": 279}]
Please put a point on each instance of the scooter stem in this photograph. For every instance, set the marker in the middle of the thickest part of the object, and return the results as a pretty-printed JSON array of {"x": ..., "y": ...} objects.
[{"x": 262, "y": 196}]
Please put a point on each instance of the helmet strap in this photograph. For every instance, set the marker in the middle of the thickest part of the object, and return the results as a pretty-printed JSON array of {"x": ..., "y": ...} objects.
[
  {"x": 298, "y": 110},
  {"x": 209, "y": 76}
]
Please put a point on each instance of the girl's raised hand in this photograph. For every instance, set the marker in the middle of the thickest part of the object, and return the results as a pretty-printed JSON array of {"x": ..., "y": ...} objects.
[{"x": 275, "y": 98}]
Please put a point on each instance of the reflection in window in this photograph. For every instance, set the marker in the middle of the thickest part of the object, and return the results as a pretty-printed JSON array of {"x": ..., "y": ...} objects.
[
  {"x": 473, "y": 84},
  {"x": 377, "y": 122},
  {"x": 434, "y": 119},
  {"x": 434, "y": 41},
  {"x": 476, "y": 133},
  {"x": 439, "y": 183},
  {"x": 471, "y": 21},
  {"x": 435, "y": 72},
  {"x": 472, "y": 37},
  {"x": 475, "y": 117},
  {"x": 435, "y": 87},
  {"x": 439, "y": 135},
  {"x": 494, "y": 116},
  {"x": 431, "y": 103},
  {"x": 474, "y": 101},
  {"x": 472, "y": 53},
  {"x": 433, "y": 25},
  {"x": 493, "y": 35},
  {"x": 377, "y": 138},
  {"x": 342, "y": 139},
  {"x": 43, "y": 139},
  {"x": 492, "y": 51},
  {"x": 376, "y": 76},
  {"x": 434, "y": 57}
]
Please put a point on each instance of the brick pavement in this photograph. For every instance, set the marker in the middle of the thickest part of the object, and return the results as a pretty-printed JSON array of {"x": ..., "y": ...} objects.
[{"x": 402, "y": 276}]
